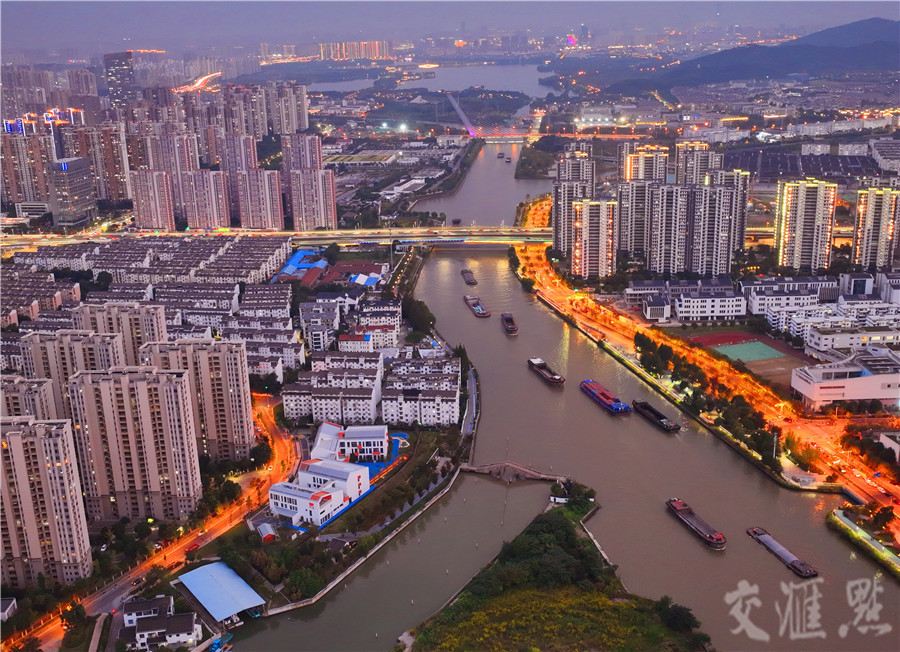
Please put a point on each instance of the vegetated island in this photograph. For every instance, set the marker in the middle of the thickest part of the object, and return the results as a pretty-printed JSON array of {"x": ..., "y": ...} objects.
[{"x": 550, "y": 589}]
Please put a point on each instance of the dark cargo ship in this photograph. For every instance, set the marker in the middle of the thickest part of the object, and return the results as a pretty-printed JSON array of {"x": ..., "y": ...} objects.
[
  {"x": 541, "y": 369},
  {"x": 605, "y": 398},
  {"x": 789, "y": 559},
  {"x": 656, "y": 417},
  {"x": 710, "y": 536},
  {"x": 509, "y": 323},
  {"x": 469, "y": 277},
  {"x": 476, "y": 306}
]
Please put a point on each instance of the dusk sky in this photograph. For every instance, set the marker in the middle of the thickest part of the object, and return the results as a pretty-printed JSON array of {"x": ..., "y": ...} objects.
[{"x": 100, "y": 26}]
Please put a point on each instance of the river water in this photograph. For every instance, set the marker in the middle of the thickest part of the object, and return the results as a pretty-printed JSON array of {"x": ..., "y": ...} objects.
[
  {"x": 523, "y": 79},
  {"x": 634, "y": 468},
  {"x": 490, "y": 192}
]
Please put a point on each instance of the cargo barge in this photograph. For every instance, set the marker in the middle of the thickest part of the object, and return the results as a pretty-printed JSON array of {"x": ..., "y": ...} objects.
[
  {"x": 541, "y": 369},
  {"x": 709, "y": 535},
  {"x": 656, "y": 417},
  {"x": 789, "y": 559},
  {"x": 476, "y": 306},
  {"x": 509, "y": 323},
  {"x": 605, "y": 398},
  {"x": 469, "y": 277}
]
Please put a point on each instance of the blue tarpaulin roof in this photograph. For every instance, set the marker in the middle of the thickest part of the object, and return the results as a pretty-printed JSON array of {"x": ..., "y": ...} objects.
[{"x": 220, "y": 590}]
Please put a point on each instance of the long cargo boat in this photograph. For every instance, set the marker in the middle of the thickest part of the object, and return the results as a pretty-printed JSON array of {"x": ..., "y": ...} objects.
[
  {"x": 544, "y": 371},
  {"x": 789, "y": 559},
  {"x": 655, "y": 417},
  {"x": 476, "y": 306},
  {"x": 605, "y": 398},
  {"x": 509, "y": 323},
  {"x": 707, "y": 533},
  {"x": 469, "y": 277}
]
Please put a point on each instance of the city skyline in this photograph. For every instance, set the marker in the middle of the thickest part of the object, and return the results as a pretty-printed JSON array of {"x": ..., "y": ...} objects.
[{"x": 185, "y": 24}]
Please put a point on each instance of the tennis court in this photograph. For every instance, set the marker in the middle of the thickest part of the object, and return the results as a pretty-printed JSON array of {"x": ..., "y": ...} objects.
[{"x": 749, "y": 351}]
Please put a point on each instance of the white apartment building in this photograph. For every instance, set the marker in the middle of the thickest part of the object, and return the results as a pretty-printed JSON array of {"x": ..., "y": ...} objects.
[
  {"x": 43, "y": 527},
  {"x": 426, "y": 407},
  {"x": 356, "y": 343},
  {"x": 872, "y": 373},
  {"x": 135, "y": 442},
  {"x": 858, "y": 337},
  {"x": 875, "y": 237},
  {"x": 761, "y": 300},
  {"x": 323, "y": 360},
  {"x": 346, "y": 405},
  {"x": 804, "y": 222},
  {"x": 383, "y": 337},
  {"x": 715, "y": 306},
  {"x": 594, "y": 238}
]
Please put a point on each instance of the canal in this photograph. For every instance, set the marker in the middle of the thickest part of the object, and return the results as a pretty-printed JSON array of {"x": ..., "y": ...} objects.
[
  {"x": 490, "y": 193},
  {"x": 634, "y": 469}
]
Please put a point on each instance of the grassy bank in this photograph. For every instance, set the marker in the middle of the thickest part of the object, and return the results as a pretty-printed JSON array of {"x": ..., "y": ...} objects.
[{"x": 550, "y": 589}]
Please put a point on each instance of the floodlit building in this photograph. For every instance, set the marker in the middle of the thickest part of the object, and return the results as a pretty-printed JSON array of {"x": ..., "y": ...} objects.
[
  {"x": 875, "y": 237},
  {"x": 594, "y": 239}
]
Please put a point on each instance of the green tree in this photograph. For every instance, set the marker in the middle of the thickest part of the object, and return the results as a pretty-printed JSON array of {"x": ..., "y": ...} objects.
[
  {"x": 30, "y": 644},
  {"x": 883, "y": 517},
  {"x": 331, "y": 253},
  {"x": 73, "y": 615},
  {"x": 142, "y": 530}
]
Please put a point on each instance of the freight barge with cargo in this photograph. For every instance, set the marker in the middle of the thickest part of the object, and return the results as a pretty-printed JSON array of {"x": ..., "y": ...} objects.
[
  {"x": 655, "y": 417},
  {"x": 476, "y": 306},
  {"x": 541, "y": 368},
  {"x": 707, "y": 533},
  {"x": 604, "y": 398},
  {"x": 789, "y": 559}
]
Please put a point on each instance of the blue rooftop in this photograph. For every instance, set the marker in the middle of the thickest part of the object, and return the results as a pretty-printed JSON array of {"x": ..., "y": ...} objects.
[{"x": 220, "y": 590}]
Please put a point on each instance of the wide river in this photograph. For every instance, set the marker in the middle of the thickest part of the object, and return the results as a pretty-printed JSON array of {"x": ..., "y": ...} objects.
[{"x": 634, "y": 469}]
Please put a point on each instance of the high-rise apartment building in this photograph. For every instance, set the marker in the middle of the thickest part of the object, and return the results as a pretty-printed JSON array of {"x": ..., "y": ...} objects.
[
  {"x": 633, "y": 199},
  {"x": 708, "y": 242},
  {"x": 236, "y": 153},
  {"x": 259, "y": 199},
  {"x": 180, "y": 153},
  {"x": 692, "y": 165},
  {"x": 81, "y": 81},
  {"x": 594, "y": 238},
  {"x": 575, "y": 180},
  {"x": 300, "y": 151},
  {"x": 739, "y": 182},
  {"x": 106, "y": 148},
  {"x": 356, "y": 50},
  {"x": 60, "y": 354},
  {"x": 642, "y": 162},
  {"x": 219, "y": 378},
  {"x": 72, "y": 199},
  {"x": 43, "y": 528},
  {"x": 804, "y": 222},
  {"x": 25, "y": 160},
  {"x": 135, "y": 443},
  {"x": 670, "y": 211},
  {"x": 137, "y": 322},
  {"x": 287, "y": 107},
  {"x": 120, "y": 78},
  {"x": 312, "y": 199},
  {"x": 154, "y": 207},
  {"x": 20, "y": 396},
  {"x": 875, "y": 236},
  {"x": 206, "y": 199}
]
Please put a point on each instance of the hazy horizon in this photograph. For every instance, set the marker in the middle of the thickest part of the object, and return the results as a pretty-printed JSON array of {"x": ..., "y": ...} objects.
[{"x": 93, "y": 27}]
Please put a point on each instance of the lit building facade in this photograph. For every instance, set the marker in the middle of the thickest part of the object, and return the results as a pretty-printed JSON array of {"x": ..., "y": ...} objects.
[
  {"x": 875, "y": 237},
  {"x": 154, "y": 206},
  {"x": 595, "y": 238},
  {"x": 804, "y": 223}
]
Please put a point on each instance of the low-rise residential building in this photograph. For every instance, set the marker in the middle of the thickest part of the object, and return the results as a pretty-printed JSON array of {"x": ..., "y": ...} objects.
[
  {"x": 823, "y": 339},
  {"x": 426, "y": 407},
  {"x": 341, "y": 404},
  {"x": 713, "y": 306},
  {"x": 762, "y": 299},
  {"x": 866, "y": 374},
  {"x": 322, "y": 360},
  {"x": 356, "y": 343}
]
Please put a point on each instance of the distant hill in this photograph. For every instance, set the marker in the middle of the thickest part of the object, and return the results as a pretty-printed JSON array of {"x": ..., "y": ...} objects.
[
  {"x": 865, "y": 46},
  {"x": 871, "y": 30}
]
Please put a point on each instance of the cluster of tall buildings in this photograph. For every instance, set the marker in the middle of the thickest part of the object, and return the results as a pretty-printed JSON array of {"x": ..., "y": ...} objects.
[
  {"x": 695, "y": 219},
  {"x": 160, "y": 150},
  {"x": 692, "y": 225},
  {"x": 108, "y": 420},
  {"x": 356, "y": 50}
]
